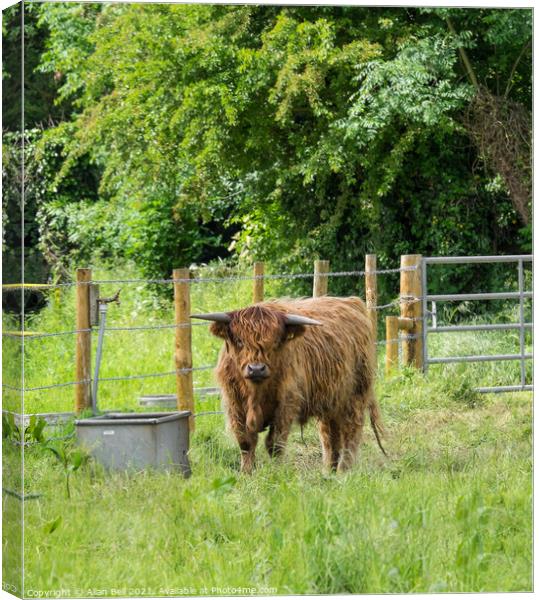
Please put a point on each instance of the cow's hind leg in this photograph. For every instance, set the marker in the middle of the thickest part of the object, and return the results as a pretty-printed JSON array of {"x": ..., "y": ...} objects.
[
  {"x": 330, "y": 438},
  {"x": 351, "y": 430}
]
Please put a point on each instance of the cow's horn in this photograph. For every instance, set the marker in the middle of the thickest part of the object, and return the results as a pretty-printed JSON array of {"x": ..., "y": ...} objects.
[
  {"x": 219, "y": 317},
  {"x": 299, "y": 320}
]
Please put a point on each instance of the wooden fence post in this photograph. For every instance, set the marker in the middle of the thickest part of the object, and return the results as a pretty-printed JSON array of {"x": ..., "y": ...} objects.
[
  {"x": 410, "y": 308},
  {"x": 320, "y": 283},
  {"x": 83, "y": 348},
  {"x": 183, "y": 352},
  {"x": 258, "y": 282},
  {"x": 392, "y": 344},
  {"x": 371, "y": 292}
]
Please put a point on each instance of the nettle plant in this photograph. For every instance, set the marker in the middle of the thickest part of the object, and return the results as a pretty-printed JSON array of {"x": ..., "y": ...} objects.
[
  {"x": 31, "y": 434},
  {"x": 69, "y": 456}
]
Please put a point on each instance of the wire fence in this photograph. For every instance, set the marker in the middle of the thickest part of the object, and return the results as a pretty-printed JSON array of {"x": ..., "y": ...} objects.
[
  {"x": 30, "y": 336},
  {"x": 38, "y": 287},
  {"x": 403, "y": 302},
  {"x": 37, "y": 335}
]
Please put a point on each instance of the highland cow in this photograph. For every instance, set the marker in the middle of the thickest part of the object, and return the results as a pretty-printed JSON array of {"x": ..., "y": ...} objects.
[{"x": 285, "y": 361}]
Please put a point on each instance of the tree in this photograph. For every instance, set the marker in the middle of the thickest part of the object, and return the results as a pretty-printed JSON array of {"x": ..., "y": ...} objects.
[
  {"x": 326, "y": 131},
  {"x": 499, "y": 125}
]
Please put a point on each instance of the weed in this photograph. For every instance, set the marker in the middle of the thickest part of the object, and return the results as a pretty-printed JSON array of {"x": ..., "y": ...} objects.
[{"x": 71, "y": 458}]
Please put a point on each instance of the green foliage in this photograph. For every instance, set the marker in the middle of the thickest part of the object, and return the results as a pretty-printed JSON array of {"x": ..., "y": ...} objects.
[
  {"x": 58, "y": 230},
  {"x": 67, "y": 44},
  {"x": 70, "y": 457},
  {"x": 40, "y": 88},
  {"x": 32, "y": 433},
  {"x": 161, "y": 236},
  {"x": 53, "y": 525},
  {"x": 275, "y": 133}
]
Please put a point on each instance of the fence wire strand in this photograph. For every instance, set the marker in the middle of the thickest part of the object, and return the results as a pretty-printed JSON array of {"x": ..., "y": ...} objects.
[
  {"x": 401, "y": 338},
  {"x": 33, "y": 336},
  {"x": 118, "y": 378},
  {"x": 13, "y": 388},
  {"x": 38, "y": 287},
  {"x": 149, "y": 375}
]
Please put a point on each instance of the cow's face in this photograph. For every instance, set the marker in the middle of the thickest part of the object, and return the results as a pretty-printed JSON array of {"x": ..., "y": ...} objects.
[{"x": 255, "y": 338}]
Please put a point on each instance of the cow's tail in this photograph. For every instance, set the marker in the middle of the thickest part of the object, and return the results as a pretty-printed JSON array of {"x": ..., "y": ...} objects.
[{"x": 376, "y": 422}]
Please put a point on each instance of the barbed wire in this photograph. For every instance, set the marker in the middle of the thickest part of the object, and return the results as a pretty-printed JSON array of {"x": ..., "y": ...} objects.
[
  {"x": 151, "y": 327},
  {"x": 16, "y": 287},
  {"x": 407, "y": 300},
  {"x": 38, "y": 287},
  {"x": 163, "y": 374},
  {"x": 118, "y": 378},
  {"x": 163, "y": 281},
  {"x": 32, "y": 336},
  {"x": 44, "y": 387},
  {"x": 258, "y": 277},
  {"x": 401, "y": 338},
  {"x": 383, "y": 306}
]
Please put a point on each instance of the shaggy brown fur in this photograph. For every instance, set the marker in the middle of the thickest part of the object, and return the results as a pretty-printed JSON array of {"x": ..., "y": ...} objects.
[{"x": 325, "y": 372}]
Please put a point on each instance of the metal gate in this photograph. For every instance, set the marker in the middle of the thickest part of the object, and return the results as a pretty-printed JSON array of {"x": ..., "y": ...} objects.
[{"x": 519, "y": 295}]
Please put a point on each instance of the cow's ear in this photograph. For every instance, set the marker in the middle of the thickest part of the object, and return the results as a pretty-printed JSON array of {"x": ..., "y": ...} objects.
[
  {"x": 221, "y": 330},
  {"x": 295, "y": 325},
  {"x": 220, "y": 322},
  {"x": 293, "y": 331}
]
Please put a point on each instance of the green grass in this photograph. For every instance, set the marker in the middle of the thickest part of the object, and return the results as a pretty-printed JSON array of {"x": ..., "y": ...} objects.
[{"x": 450, "y": 510}]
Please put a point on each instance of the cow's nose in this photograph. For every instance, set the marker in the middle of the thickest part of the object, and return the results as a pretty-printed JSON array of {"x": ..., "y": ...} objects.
[{"x": 257, "y": 370}]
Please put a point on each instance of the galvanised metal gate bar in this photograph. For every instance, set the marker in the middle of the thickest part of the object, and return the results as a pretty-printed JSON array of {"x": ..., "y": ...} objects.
[{"x": 521, "y": 295}]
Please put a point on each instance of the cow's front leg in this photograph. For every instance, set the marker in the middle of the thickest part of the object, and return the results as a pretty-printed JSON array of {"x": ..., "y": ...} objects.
[
  {"x": 279, "y": 432},
  {"x": 247, "y": 443},
  {"x": 276, "y": 440}
]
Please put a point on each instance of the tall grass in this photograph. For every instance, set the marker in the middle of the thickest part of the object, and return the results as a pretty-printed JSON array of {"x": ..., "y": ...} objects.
[{"x": 449, "y": 510}]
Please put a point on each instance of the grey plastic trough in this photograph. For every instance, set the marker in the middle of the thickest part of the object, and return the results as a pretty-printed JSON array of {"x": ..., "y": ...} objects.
[{"x": 138, "y": 440}]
